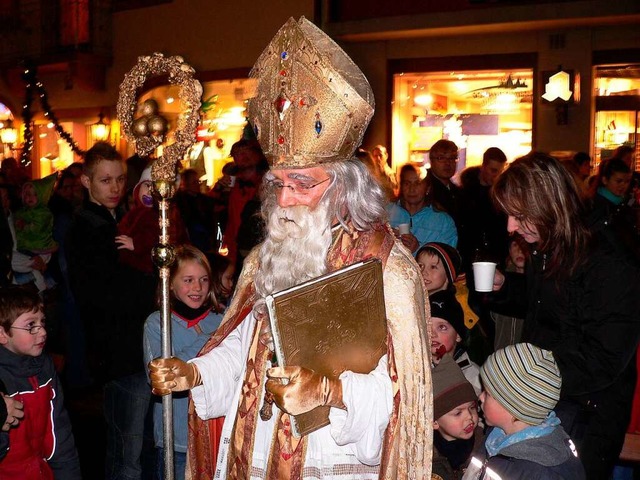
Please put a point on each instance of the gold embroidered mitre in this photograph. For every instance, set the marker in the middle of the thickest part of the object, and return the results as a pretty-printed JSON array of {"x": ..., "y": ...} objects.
[{"x": 312, "y": 104}]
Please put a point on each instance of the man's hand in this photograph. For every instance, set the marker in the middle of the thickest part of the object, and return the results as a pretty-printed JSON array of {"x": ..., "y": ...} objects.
[
  {"x": 172, "y": 375},
  {"x": 298, "y": 390},
  {"x": 14, "y": 412}
]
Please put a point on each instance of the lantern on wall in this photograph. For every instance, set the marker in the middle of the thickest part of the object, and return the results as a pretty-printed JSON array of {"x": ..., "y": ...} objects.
[
  {"x": 100, "y": 129},
  {"x": 8, "y": 134}
]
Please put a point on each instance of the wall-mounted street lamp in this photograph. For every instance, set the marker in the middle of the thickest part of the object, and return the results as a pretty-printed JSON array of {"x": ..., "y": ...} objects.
[
  {"x": 100, "y": 129},
  {"x": 8, "y": 133}
]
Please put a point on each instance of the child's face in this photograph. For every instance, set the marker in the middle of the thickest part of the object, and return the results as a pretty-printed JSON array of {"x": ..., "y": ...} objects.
[
  {"x": 516, "y": 255},
  {"x": 106, "y": 184},
  {"x": 144, "y": 194},
  {"x": 494, "y": 414},
  {"x": 20, "y": 341},
  {"x": 191, "y": 284},
  {"x": 443, "y": 333},
  {"x": 617, "y": 183},
  {"x": 29, "y": 197},
  {"x": 433, "y": 272},
  {"x": 459, "y": 423}
]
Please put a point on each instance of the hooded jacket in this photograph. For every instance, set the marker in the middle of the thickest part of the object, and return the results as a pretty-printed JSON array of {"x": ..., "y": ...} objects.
[
  {"x": 42, "y": 445},
  {"x": 34, "y": 225}
]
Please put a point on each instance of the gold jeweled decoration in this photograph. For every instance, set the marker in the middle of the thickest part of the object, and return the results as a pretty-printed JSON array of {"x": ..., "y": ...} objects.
[
  {"x": 312, "y": 104},
  {"x": 180, "y": 73}
]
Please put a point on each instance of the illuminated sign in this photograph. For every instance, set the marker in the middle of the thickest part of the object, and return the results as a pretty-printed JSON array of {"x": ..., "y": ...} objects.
[
  {"x": 561, "y": 86},
  {"x": 558, "y": 86}
]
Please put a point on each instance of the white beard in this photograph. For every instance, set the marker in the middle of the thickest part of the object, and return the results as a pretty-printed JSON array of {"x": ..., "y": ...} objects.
[{"x": 295, "y": 249}]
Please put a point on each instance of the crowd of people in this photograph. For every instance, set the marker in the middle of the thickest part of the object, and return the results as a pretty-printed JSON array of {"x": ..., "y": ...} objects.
[{"x": 534, "y": 379}]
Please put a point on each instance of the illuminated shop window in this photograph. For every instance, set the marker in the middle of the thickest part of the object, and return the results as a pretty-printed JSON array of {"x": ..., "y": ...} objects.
[
  {"x": 475, "y": 109},
  {"x": 222, "y": 122},
  {"x": 617, "y": 100}
]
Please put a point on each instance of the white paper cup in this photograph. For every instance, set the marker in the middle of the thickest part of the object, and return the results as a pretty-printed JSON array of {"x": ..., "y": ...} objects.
[
  {"x": 404, "y": 229},
  {"x": 232, "y": 180},
  {"x": 483, "y": 273}
]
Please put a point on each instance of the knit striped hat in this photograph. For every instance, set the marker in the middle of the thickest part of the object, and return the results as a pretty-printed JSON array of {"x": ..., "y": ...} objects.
[{"x": 524, "y": 379}]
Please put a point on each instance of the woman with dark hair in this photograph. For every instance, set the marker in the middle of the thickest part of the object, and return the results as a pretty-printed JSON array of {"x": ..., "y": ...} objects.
[{"x": 582, "y": 302}]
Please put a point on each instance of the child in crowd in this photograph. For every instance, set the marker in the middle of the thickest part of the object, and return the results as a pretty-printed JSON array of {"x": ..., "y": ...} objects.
[
  {"x": 508, "y": 328},
  {"x": 92, "y": 255},
  {"x": 40, "y": 445},
  {"x": 33, "y": 224},
  {"x": 521, "y": 388},
  {"x": 195, "y": 315},
  {"x": 456, "y": 433},
  {"x": 518, "y": 252},
  {"x": 112, "y": 309},
  {"x": 139, "y": 229},
  {"x": 449, "y": 333},
  {"x": 439, "y": 264}
]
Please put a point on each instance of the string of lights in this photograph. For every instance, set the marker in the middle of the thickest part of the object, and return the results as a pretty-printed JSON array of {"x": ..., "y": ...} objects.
[{"x": 34, "y": 86}]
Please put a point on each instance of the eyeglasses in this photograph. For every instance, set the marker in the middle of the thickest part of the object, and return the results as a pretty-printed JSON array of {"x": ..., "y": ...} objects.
[
  {"x": 297, "y": 188},
  {"x": 443, "y": 158},
  {"x": 33, "y": 329}
]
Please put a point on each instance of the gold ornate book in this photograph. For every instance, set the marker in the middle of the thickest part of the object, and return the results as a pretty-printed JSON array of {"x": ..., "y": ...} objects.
[{"x": 330, "y": 324}]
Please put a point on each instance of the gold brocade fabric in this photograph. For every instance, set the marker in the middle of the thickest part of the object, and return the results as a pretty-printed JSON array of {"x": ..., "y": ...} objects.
[
  {"x": 409, "y": 437},
  {"x": 409, "y": 440}
]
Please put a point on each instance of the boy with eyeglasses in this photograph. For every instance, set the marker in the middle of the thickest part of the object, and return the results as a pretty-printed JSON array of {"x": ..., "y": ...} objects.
[{"x": 40, "y": 445}]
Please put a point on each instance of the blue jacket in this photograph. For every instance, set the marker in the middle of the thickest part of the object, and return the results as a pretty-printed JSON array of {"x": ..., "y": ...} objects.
[
  {"x": 185, "y": 343},
  {"x": 428, "y": 225}
]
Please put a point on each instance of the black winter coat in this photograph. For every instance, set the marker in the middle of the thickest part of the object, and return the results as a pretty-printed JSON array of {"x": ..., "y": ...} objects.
[{"x": 591, "y": 322}]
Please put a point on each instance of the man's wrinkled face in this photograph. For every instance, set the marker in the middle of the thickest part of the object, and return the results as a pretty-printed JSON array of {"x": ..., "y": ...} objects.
[{"x": 300, "y": 186}]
